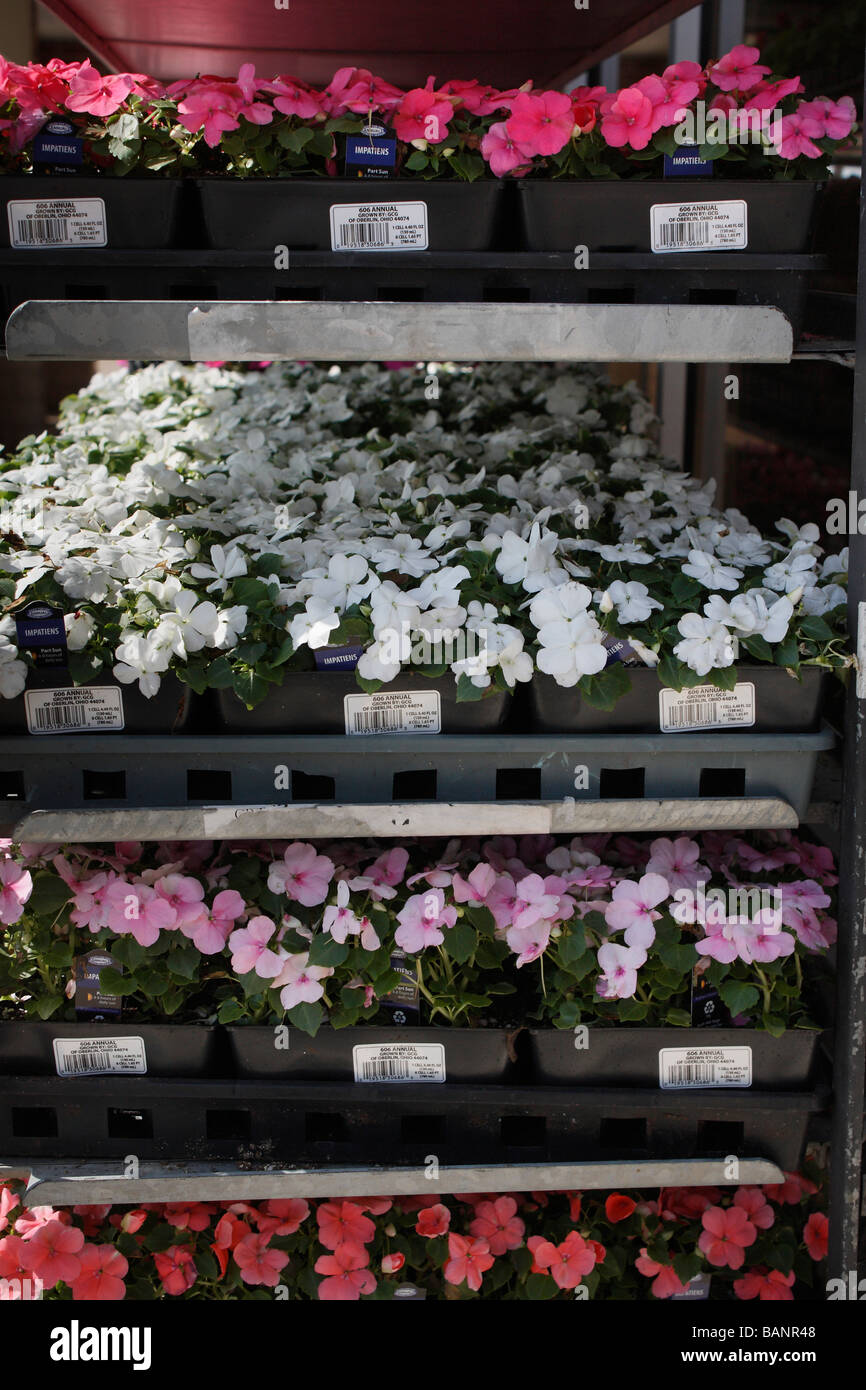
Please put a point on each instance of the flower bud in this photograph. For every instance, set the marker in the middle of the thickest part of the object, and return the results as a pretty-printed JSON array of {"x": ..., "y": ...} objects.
[
  {"x": 796, "y": 595},
  {"x": 605, "y": 603}
]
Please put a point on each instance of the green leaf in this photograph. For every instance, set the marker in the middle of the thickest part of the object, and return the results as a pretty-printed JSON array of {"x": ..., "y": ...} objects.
[
  {"x": 461, "y": 941},
  {"x": 466, "y": 691},
  {"x": 723, "y": 678},
  {"x": 815, "y": 628},
  {"x": 607, "y": 688},
  {"x": 49, "y": 894},
  {"x": 758, "y": 647},
  {"x": 417, "y": 160},
  {"x": 678, "y": 1018},
  {"x": 324, "y": 950},
  {"x": 249, "y": 687},
  {"x": 738, "y": 996},
  {"x": 112, "y": 982},
  {"x": 228, "y": 1011},
  {"x": 774, "y": 1025},
  {"x": 307, "y": 1017},
  {"x": 481, "y": 918},
  {"x": 686, "y": 1267},
  {"x": 572, "y": 945},
  {"x": 184, "y": 962},
  {"x": 47, "y": 1004},
  {"x": 540, "y": 1287}
]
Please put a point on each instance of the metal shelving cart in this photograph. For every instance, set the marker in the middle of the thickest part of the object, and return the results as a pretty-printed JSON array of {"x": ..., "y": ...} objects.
[{"x": 49, "y": 797}]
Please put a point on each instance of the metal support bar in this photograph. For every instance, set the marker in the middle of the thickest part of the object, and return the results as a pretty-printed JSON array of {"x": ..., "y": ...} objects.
[{"x": 74, "y": 1183}]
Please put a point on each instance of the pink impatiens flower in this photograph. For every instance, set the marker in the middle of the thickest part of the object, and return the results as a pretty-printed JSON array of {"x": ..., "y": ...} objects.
[
  {"x": 423, "y": 920},
  {"x": 541, "y": 122},
  {"x": 627, "y": 119},
  {"x": 497, "y": 1222},
  {"x": 755, "y": 1205},
  {"x": 16, "y": 885},
  {"x": 632, "y": 909},
  {"x": 836, "y": 118},
  {"x": 339, "y": 919},
  {"x": 815, "y": 1234},
  {"x": 423, "y": 115},
  {"x": 250, "y": 951},
  {"x": 304, "y": 876},
  {"x": 726, "y": 1236},
  {"x": 185, "y": 894},
  {"x": 797, "y": 135},
  {"x": 137, "y": 910},
  {"x": 211, "y": 932},
  {"x": 738, "y": 70},
  {"x": 433, "y": 1221},
  {"x": 213, "y": 108},
  {"x": 677, "y": 861},
  {"x": 103, "y": 1270},
  {"x": 97, "y": 95},
  {"x": 467, "y": 1262},
  {"x": 475, "y": 887},
  {"x": 619, "y": 966},
  {"x": 299, "y": 982}
]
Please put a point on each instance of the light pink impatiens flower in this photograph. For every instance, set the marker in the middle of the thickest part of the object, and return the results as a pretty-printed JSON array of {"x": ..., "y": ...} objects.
[
  {"x": 299, "y": 982},
  {"x": 619, "y": 966},
  {"x": 632, "y": 909},
  {"x": 16, "y": 885},
  {"x": 137, "y": 910},
  {"x": 304, "y": 876},
  {"x": 250, "y": 950},
  {"x": 677, "y": 861},
  {"x": 423, "y": 921}
]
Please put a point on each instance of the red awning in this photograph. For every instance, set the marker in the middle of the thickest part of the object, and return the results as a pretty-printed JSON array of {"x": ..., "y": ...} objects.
[{"x": 498, "y": 41}]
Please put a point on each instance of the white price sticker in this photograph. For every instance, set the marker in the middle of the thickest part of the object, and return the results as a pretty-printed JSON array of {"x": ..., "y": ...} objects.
[
  {"x": 687, "y": 1068},
  {"x": 707, "y": 707},
  {"x": 57, "y": 222},
  {"x": 74, "y": 709},
  {"x": 399, "y": 1061},
  {"x": 379, "y": 227},
  {"x": 100, "y": 1056},
  {"x": 393, "y": 712},
  {"x": 699, "y": 226}
]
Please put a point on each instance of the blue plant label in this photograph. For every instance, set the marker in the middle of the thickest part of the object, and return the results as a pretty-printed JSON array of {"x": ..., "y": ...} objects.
[
  {"x": 618, "y": 649},
  {"x": 687, "y": 163},
  {"x": 337, "y": 658},
  {"x": 57, "y": 143},
  {"x": 403, "y": 1002},
  {"x": 89, "y": 996},
  {"x": 371, "y": 155},
  {"x": 41, "y": 631}
]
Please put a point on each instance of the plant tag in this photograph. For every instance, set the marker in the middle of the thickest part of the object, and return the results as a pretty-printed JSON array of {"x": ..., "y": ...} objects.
[
  {"x": 696, "y": 1288},
  {"x": 57, "y": 222},
  {"x": 74, "y": 709},
  {"x": 707, "y": 1009},
  {"x": 41, "y": 631},
  {"x": 404, "y": 1292},
  {"x": 618, "y": 649},
  {"x": 399, "y": 1062},
  {"x": 687, "y": 1068},
  {"x": 699, "y": 226},
  {"x": 100, "y": 1056},
  {"x": 372, "y": 154},
  {"x": 337, "y": 658},
  {"x": 707, "y": 707},
  {"x": 687, "y": 163},
  {"x": 393, "y": 712},
  {"x": 89, "y": 998},
  {"x": 378, "y": 227},
  {"x": 57, "y": 143},
  {"x": 403, "y": 1002}
]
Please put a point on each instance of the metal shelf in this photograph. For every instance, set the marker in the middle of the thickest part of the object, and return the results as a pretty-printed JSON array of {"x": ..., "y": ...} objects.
[
  {"x": 71, "y": 1182},
  {"x": 358, "y": 331}
]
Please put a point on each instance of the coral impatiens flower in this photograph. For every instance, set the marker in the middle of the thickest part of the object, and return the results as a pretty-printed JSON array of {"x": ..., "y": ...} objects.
[
  {"x": 52, "y": 1252},
  {"x": 755, "y": 1205},
  {"x": 769, "y": 1285},
  {"x": 665, "y": 1280},
  {"x": 618, "y": 1207},
  {"x": 567, "y": 1262},
  {"x": 176, "y": 1269},
  {"x": 433, "y": 1221},
  {"x": 347, "y": 1274},
  {"x": 815, "y": 1235},
  {"x": 726, "y": 1236},
  {"x": 541, "y": 122},
  {"x": 343, "y": 1221},
  {"x": 468, "y": 1261},
  {"x": 498, "y": 1224},
  {"x": 103, "y": 1270},
  {"x": 257, "y": 1263},
  {"x": 391, "y": 1264}
]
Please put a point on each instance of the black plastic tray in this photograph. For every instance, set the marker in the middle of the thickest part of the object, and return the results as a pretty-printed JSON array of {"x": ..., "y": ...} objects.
[
  {"x": 782, "y": 703},
  {"x": 471, "y": 1055},
  {"x": 630, "y": 1056},
  {"x": 171, "y": 1049},
  {"x": 311, "y": 702},
  {"x": 261, "y": 214},
  {"x": 614, "y": 215},
  {"x": 374, "y": 1123},
  {"x": 169, "y": 711},
  {"x": 139, "y": 212}
]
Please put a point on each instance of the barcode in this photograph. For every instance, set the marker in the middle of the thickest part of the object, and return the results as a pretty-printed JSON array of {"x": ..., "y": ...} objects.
[
  {"x": 66, "y": 715},
  {"x": 84, "y": 1061},
  {"x": 49, "y": 231},
  {"x": 697, "y": 712},
  {"x": 684, "y": 233},
  {"x": 364, "y": 234},
  {"x": 691, "y": 1073},
  {"x": 385, "y": 1069},
  {"x": 368, "y": 721}
]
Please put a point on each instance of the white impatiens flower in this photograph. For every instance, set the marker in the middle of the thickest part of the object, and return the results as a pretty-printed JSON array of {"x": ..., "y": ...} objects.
[
  {"x": 751, "y": 615},
  {"x": 514, "y": 663},
  {"x": 79, "y": 630},
  {"x": 226, "y": 564},
  {"x": 824, "y": 597},
  {"x": 798, "y": 569},
  {"x": 142, "y": 659},
  {"x": 631, "y": 600},
  {"x": 569, "y": 600},
  {"x": 231, "y": 624},
  {"x": 381, "y": 660},
  {"x": 314, "y": 626},
  {"x": 706, "y": 644},
  {"x": 626, "y": 554},
  {"x": 710, "y": 571},
  {"x": 348, "y": 580},
  {"x": 189, "y": 626},
  {"x": 571, "y": 647},
  {"x": 530, "y": 562},
  {"x": 13, "y": 673},
  {"x": 835, "y": 564}
]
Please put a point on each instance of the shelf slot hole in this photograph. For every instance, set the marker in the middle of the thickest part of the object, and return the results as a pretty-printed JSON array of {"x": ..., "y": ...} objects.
[
  {"x": 611, "y": 294},
  {"x": 404, "y": 294},
  {"x": 708, "y": 296},
  {"x": 299, "y": 292},
  {"x": 103, "y": 786},
  {"x": 623, "y": 1135},
  {"x": 129, "y": 1124},
  {"x": 518, "y": 784},
  {"x": 621, "y": 783},
  {"x": 193, "y": 292},
  {"x": 34, "y": 1122},
  {"x": 11, "y": 786},
  {"x": 422, "y": 1129},
  {"x": 523, "y": 1131},
  {"x": 722, "y": 781},
  {"x": 506, "y": 294},
  {"x": 418, "y": 784},
  {"x": 326, "y": 1129},
  {"x": 227, "y": 1124},
  {"x": 86, "y": 292},
  {"x": 209, "y": 786},
  {"x": 721, "y": 1137},
  {"x": 309, "y": 786}
]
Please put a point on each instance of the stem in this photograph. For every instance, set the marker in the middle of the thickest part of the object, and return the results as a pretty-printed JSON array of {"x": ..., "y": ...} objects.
[{"x": 765, "y": 988}]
